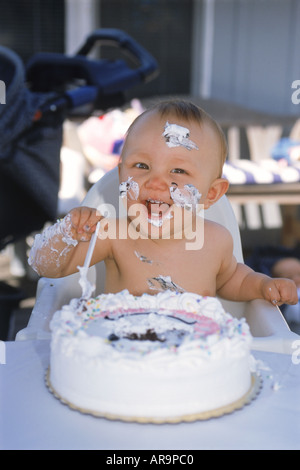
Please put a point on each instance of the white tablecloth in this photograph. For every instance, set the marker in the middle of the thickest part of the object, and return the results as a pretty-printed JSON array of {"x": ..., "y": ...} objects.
[{"x": 32, "y": 418}]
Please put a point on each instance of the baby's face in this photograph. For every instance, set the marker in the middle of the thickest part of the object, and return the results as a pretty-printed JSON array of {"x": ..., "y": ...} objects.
[{"x": 168, "y": 164}]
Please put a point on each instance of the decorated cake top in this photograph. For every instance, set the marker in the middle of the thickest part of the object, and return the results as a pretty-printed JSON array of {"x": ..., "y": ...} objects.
[
  {"x": 138, "y": 327},
  {"x": 146, "y": 330}
]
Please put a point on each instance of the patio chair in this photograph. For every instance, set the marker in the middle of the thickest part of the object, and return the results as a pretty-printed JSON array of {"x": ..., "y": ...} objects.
[
  {"x": 264, "y": 180},
  {"x": 268, "y": 326}
]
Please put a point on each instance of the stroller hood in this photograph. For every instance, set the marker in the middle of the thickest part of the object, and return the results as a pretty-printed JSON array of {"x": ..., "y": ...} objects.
[
  {"x": 29, "y": 155},
  {"x": 32, "y": 114}
]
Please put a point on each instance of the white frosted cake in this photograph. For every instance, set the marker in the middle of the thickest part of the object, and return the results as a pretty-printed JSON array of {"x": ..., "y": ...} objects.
[{"x": 164, "y": 357}]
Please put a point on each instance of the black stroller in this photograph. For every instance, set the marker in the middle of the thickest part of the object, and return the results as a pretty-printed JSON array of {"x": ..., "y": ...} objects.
[{"x": 36, "y": 101}]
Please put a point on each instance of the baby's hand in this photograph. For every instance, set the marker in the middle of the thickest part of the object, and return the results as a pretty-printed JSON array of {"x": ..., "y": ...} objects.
[
  {"x": 280, "y": 291},
  {"x": 83, "y": 222}
]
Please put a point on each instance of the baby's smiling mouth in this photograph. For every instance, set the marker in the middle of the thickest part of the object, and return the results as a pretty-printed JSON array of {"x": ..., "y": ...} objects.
[{"x": 156, "y": 208}]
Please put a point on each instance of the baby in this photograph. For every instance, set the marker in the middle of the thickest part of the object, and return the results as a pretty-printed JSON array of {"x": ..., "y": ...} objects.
[{"x": 170, "y": 172}]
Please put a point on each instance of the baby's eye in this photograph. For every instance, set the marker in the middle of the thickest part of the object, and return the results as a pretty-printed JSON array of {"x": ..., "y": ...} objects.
[
  {"x": 141, "y": 165},
  {"x": 178, "y": 170}
]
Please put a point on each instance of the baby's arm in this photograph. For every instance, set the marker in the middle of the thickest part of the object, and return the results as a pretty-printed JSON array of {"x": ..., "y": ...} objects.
[
  {"x": 236, "y": 281},
  {"x": 62, "y": 247}
]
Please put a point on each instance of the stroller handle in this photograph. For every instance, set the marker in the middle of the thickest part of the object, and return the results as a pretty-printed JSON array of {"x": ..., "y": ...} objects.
[
  {"x": 80, "y": 80},
  {"x": 148, "y": 67}
]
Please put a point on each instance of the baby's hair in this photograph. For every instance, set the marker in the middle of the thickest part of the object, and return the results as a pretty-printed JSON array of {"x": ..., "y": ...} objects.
[{"x": 189, "y": 112}]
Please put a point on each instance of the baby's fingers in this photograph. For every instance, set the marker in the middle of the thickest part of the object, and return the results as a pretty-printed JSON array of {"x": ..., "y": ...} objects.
[
  {"x": 89, "y": 220},
  {"x": 73, "y": 217},
  {"x": 84, "y": 220},
  {"x": 79, "y": 216},
  {"x": 272, "y": 294},
  {"x": 287, "y": 292}
]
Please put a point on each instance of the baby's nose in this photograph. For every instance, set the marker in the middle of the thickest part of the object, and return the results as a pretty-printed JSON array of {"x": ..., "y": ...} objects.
[{"x": 157, "y": 181}]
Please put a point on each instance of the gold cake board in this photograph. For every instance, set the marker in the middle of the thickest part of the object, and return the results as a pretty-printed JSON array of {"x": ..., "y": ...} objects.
[{"x": 255, "y": 387}]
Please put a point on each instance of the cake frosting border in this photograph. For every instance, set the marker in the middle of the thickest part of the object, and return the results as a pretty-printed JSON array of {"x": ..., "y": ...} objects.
[{"x": 253, "y": 392}]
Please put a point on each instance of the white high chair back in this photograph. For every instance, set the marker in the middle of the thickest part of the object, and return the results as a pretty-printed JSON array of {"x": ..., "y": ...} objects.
[{"x": 270, "y": 330}]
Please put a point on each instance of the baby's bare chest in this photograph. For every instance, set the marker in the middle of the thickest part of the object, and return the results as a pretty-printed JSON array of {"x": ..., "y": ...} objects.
[{"x": 142, "y": 269}]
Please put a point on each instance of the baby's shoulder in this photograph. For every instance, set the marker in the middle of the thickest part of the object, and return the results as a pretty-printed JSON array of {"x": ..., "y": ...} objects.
[{"x": 217, "y": 232}]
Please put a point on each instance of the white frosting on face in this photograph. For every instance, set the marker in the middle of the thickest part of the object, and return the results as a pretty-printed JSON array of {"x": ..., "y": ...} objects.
[
  {"x": 188, "y": 197},
  {"x": 129, "y": 189},
  {"x": 157, "y": 221},
  {"x": 176, "y": 136}
]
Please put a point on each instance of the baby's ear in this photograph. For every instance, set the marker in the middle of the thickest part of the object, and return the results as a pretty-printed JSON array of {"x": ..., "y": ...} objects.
[{"x": 217, "y": 189}]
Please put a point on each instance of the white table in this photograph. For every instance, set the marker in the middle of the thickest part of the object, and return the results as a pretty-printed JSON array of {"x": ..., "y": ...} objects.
[{"x": 32, "y": 418}]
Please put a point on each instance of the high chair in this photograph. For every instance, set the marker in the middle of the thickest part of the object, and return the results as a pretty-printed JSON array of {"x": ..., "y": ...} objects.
[{"x": 267, "y": 324}]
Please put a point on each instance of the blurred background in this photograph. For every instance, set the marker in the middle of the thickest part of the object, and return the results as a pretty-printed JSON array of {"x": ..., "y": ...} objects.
[
  {"x": 238, "y": 59},
  {"x": 239, "y": 51}
]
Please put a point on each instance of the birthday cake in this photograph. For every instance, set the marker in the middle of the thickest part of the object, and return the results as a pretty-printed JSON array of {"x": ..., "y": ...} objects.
[{"x": 154, "y": 358}]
